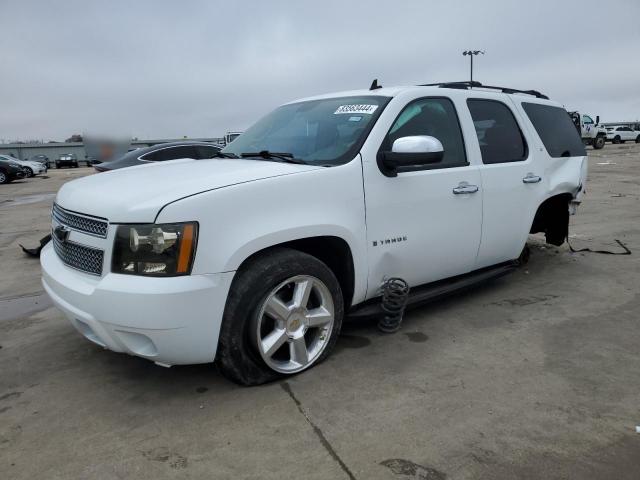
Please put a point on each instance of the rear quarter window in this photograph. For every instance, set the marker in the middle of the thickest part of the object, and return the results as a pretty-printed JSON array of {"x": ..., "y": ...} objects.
[{"x": 556, "y": 130}]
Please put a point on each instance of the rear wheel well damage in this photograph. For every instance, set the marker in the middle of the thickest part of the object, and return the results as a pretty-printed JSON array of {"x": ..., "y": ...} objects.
[
  {"x": 334, "y": 252},
  {"x": 552, "y": 218}
]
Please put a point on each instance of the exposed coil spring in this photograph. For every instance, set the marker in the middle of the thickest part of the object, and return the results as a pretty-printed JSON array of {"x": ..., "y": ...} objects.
[{"x": 395, "y": 292}]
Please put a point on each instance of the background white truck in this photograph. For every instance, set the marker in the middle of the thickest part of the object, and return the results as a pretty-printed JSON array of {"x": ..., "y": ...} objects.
[
  {"x": 230, "y": 137},
  {"x": 592, "y": 133}
]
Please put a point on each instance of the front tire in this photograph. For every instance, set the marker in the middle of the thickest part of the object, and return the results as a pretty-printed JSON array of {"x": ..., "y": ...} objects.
[
  {"x": 4, "y": 178},
  {"x": 616, "y": 139},
  {"x": 598, "y": 143},
  {"x": 28, "y": 172},
  {"x": 283, "y": 316},
  {"x": 638, "y": 139}
]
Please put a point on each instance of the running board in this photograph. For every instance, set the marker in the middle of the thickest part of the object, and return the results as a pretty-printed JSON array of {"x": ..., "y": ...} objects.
[{"x": 434, "y": 291}]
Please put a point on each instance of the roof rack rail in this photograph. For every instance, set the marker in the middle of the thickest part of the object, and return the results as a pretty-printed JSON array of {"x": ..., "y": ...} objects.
[{"x": 468, "y": 85}]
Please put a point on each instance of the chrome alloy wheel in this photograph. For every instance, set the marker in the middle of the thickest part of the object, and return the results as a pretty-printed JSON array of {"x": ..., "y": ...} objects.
[{"x": 294, "y": 324}]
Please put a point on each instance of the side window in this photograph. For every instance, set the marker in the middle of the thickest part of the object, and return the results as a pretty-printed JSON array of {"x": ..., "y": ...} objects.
[
  {"x": 587, "y": 119},
  {"x": 435, "y": 117},
  {"x": 171, "y": 153},
  {"x": 500, "y": 137},
  {"x": 205, "y": 151},
  {"x": 556, "y": 130}
]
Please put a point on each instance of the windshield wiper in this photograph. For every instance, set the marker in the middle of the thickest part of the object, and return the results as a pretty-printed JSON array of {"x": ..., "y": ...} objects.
[
  {"x": 267, "y": 155},
  {"x": 224, "y": 155}
]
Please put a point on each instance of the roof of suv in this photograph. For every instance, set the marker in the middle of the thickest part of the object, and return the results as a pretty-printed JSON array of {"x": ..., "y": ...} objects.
[{"x": 435, "y": 88}]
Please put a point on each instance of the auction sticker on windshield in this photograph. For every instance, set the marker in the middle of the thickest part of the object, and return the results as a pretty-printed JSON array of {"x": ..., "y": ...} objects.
[{"x": 349, "y": 109}]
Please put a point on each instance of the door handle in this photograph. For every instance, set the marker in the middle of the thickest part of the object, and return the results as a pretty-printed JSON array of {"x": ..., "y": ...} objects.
[
  {"x": 531, "y": 178},
  {"x": 464, "y": 188}
]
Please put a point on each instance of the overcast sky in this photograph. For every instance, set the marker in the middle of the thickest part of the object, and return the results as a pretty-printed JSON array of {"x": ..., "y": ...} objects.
[{"x": 158, "y": 69}]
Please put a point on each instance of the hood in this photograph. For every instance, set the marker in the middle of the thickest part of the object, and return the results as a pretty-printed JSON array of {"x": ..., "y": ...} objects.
[{"x": 136, "y": 194}]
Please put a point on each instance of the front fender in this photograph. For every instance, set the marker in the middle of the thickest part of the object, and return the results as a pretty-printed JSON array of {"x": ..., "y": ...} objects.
[{"x": 238, "y": 221}]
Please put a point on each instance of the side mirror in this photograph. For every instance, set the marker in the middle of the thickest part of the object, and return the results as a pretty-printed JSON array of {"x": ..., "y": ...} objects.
[
  {"x": 597, "y": 119},
  {"x": 414, "y": 151}
]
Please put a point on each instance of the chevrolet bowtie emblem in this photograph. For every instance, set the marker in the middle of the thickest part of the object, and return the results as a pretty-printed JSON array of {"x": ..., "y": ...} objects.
[{"x": 62, "y": 233}]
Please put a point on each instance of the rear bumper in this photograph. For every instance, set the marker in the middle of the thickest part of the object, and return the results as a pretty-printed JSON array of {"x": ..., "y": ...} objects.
[{"x": 170, "y": 321}]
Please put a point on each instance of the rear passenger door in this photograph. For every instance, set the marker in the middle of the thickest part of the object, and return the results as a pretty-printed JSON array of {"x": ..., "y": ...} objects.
[
  {"x": 511, "y": 180},
  {"x": 628, "y": 134}
]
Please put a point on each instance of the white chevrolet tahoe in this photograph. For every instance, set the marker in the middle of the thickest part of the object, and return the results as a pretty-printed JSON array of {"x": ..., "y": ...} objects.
[{"x": 254, "y": 258}]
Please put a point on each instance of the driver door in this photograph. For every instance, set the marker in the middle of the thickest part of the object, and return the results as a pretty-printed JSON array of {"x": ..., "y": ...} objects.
[{"x": 424, "y": 224}]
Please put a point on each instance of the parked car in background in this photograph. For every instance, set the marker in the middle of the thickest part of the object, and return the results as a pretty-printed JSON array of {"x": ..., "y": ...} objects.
[
  {"x": 67, "y": 160},
  {"x": 161, "y": 153},
  {"x": 621, "y": 134},
  {"x": 43, "y": 159},
  {"x": 28, "y": 167},
  {"x": 9, "y": 169}
]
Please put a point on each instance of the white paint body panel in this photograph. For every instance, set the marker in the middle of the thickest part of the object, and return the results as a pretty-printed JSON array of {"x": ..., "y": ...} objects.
[{"x": 245, "y": 206}]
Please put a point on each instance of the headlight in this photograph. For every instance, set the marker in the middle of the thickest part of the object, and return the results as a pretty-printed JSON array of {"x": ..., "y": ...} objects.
[{"x": 157, "y": 250}]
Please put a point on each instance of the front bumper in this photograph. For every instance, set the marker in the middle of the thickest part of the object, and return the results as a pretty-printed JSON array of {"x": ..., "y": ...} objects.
[{"x": 171, "y": 321}]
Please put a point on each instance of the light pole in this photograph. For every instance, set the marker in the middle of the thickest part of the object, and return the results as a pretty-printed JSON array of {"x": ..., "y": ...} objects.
[{"x": 471, "y": 54}]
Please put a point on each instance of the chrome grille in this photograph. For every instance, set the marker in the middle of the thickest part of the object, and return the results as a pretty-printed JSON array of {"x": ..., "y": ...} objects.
[
  {"x": 80, "y": 257},
  {"x": 82, "y": 223}
]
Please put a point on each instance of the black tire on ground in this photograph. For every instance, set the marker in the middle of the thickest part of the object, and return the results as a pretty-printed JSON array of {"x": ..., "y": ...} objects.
[
  {"x": 57, "y": 165},
  {"x": 28, "y": 173},
  {"x": 4, "y": 178},
  {"x": 638, "y": 139},
  {"x": 75, "y": 165},
  {"x": 616, "y": 139},
  {"x": 237, "y": 356},
  {"x": 598, "y": 142}
]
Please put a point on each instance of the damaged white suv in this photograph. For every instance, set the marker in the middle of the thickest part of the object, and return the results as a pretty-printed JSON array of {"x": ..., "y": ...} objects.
[{"x": 254, "y": 258}]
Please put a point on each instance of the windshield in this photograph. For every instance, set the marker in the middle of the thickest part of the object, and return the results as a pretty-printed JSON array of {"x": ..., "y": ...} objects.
[{"x": 329, "y": 131}]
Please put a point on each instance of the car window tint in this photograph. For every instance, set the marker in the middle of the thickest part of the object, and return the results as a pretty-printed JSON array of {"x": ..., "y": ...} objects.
[
  {"x": 556, "y": 130},
  {"x": 586, "y": 119},
  {"x": 435, "y": 117},
  {"x": 206, "y": 151},
  {"x": 499, "y": 135},
  {"x": 171, "y": 153}
]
